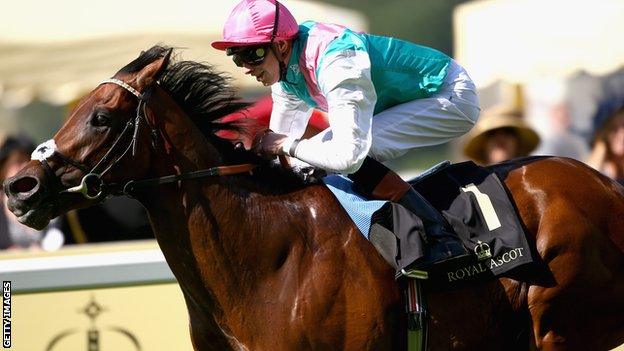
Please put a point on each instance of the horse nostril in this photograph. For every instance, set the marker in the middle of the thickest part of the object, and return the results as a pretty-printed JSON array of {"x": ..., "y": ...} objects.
[{"x": 23, "y": 185}]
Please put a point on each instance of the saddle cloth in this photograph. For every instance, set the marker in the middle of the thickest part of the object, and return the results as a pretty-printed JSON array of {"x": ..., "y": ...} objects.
[
  {"x": 359, "y": 208},
  {"x": 472, "y": 199}
]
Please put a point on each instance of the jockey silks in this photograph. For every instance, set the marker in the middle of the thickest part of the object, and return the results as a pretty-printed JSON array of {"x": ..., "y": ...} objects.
[
  {"x": 400, "y": 71},
  {"x": 354, "y": 76}
]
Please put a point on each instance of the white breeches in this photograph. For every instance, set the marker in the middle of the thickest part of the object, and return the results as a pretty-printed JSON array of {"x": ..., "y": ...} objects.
[{"x": 447, "y": 115}]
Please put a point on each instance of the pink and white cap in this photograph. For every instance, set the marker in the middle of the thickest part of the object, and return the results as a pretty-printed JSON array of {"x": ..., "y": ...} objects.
[{"x": 251, "y": 22}]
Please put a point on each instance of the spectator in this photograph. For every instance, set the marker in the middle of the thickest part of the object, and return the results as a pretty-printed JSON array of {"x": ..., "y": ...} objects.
[
  {"x": 499, "y": 135},
  {"x": 14, "y": 154},
  {"x": 559, "y": 139},
  {"x": 607, "y": 155}
]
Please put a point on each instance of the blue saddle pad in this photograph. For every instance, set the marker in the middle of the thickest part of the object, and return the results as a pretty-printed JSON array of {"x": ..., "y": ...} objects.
[{"x": 359, "y": 208}]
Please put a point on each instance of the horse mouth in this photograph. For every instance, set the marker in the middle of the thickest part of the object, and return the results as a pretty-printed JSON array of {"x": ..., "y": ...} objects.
[{"x": 36, "y": 218}]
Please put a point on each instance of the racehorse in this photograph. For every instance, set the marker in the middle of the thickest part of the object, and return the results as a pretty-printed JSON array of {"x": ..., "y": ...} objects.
[{"x": 267, "y": 261}]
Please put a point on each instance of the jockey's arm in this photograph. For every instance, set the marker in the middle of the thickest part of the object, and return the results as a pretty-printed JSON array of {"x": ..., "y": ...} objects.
[{"x": 345, "y": 81}]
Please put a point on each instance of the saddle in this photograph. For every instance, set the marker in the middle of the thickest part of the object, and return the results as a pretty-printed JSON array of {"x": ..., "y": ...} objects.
[{"x": 475, "y": 203}]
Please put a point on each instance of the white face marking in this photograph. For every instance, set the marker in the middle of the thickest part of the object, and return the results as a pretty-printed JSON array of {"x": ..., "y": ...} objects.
[{"x": 43, "y": 151}]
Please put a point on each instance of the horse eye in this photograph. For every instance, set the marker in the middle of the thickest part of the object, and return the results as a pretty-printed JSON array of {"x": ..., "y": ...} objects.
[{"x": 100, "y": 120}]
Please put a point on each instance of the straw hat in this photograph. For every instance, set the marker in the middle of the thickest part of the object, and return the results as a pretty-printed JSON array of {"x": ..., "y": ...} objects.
[{"x": 497, "y": 118}]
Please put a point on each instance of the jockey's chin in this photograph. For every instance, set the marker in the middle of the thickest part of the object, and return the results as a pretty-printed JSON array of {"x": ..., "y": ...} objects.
[{"x": 267, "y": 78}]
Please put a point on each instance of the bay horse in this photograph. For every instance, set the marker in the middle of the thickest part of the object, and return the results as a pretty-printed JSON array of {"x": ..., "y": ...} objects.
[{"x": 266, "y": 261}]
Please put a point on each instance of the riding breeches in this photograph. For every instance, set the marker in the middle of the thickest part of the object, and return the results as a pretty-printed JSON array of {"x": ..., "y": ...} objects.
[
  {"x": 447, "y": 115},
  {"x": 444, "y": 116}
]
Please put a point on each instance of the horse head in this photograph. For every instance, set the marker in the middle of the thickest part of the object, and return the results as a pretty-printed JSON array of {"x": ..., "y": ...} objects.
[{"x": 109, "y": 138}]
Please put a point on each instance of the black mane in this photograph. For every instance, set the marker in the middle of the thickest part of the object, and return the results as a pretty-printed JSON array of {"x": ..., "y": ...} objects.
[{"x": 206, "y": 96}]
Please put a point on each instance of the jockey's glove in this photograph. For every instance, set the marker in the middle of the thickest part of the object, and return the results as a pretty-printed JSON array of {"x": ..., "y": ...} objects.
[{"x": 268, "y": 143}]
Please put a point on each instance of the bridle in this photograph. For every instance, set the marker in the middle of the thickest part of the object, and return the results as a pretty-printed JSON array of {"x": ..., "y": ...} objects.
[{"x": 93, "y": 187}]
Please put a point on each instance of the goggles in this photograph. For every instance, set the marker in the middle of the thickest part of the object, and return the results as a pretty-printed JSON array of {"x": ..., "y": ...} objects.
[{"x": 250, "y": 55}]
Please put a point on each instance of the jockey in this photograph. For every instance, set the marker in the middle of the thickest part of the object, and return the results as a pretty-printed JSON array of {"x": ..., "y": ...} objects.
[{"x": 384, "y": 96}]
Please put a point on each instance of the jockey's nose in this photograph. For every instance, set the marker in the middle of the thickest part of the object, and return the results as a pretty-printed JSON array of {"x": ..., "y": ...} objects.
[{"x": 24, "y": 188}]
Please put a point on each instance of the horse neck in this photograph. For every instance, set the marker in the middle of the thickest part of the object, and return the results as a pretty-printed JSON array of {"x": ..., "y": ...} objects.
[{"x": 212, "y": 228}]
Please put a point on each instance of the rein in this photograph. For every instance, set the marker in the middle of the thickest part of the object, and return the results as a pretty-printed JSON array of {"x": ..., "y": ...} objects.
[
  {"x": 219, "y": 171},
  {"x": 93, "y": 187}
]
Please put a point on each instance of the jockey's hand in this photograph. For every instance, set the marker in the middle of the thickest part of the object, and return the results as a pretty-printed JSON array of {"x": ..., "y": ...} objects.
[{"x": 268, "y": 143}]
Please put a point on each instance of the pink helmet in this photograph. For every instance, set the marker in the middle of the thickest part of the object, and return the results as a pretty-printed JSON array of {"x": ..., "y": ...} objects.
[{"x": 252, "y": 22}]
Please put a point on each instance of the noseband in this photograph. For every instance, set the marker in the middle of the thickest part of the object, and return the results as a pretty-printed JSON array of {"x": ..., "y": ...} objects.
[{"x": 93, "y": 187}]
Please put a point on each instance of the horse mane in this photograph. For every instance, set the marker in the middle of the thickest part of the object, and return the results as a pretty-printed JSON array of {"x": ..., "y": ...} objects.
[{"x": 206, "y": 96}]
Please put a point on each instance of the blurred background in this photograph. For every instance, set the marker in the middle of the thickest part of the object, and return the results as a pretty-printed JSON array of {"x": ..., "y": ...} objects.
[{"x": 550, "y": 75}]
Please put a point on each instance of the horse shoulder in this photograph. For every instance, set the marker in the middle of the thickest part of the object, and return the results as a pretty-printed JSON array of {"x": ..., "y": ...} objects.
[{"x": 349, "y": 296}]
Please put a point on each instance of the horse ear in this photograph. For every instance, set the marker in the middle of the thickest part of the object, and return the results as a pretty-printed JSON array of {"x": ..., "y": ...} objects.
[{"x": 152, "y": 72}]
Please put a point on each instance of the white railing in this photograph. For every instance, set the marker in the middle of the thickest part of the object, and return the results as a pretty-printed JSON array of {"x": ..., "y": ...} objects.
[{"x": 86, "y": 266}]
